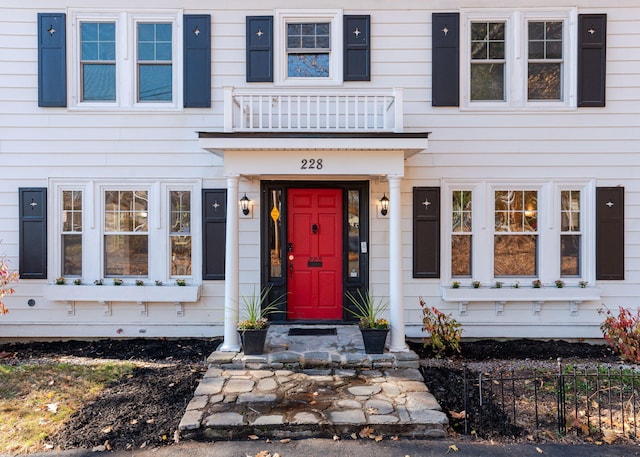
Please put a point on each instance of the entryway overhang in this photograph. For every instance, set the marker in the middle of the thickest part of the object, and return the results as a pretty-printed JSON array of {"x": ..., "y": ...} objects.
[{"x": 220, "y": 143}]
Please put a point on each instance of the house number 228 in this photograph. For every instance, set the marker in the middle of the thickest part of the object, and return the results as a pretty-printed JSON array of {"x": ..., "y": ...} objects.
[{"x": 311, "y": 164}]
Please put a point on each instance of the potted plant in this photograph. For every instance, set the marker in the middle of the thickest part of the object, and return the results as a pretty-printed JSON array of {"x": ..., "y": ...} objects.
[
  {"x": 373, "y": 327},
  {"x": 254, "y": 322}
]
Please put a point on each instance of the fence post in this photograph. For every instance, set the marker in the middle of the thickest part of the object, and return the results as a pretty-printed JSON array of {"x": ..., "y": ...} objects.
[
  {"x": 562, "y": 413},
  {"x": 466, "y": 397}
]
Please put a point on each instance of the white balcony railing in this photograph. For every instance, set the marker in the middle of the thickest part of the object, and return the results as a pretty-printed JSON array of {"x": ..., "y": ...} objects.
[{"x": 287, "y": 110}]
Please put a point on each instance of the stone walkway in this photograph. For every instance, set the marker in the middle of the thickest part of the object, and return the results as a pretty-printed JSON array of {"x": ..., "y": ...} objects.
[{"x": 312, "y": 386}]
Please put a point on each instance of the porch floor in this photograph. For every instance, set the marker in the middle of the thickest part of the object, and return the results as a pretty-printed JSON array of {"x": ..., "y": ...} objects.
[{"x": 319, "y": 385}]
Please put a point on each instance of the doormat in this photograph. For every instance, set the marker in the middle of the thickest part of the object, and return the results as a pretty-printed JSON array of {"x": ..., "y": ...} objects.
[{"x": 312, "y": 331}]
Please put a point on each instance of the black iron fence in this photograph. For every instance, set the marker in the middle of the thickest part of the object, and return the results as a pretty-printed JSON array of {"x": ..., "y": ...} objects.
[{"x": 600, "y": 402}]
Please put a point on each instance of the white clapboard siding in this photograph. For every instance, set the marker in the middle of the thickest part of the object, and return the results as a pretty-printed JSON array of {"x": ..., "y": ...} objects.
[{"x": 40, "y": 145}]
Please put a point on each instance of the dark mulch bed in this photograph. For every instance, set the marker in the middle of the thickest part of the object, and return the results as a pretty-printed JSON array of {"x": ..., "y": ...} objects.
[{"x": 146, "y": 407}]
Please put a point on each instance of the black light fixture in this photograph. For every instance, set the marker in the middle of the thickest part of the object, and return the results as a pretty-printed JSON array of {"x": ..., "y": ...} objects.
[
  {"x": 384, "y": 205},
  {"x": 244, "y": 204}
]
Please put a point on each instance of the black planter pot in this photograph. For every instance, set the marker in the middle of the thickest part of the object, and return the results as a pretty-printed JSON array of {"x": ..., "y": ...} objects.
[
  {"x": 374, "y": 339},
  {"x": 253, "y": 340}
]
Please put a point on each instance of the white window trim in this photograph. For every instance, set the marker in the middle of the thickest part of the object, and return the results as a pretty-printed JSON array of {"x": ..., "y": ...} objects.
[
  {"x": 126, "y": 58},
  {"x": 549, "y": 225},
  {"x": 282, "y": 18},
  {"x": 93, "y": 227},
  {"x": 516, "y": 46}
]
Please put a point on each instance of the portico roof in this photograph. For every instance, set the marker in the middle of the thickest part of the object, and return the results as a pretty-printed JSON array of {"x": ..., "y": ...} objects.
[{"x": 410, "y": 143}]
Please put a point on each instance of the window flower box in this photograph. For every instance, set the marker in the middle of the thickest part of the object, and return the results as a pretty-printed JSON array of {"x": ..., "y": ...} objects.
[
  {"x": 520, "y": 294},
  {"x": 124, "y": 293}
]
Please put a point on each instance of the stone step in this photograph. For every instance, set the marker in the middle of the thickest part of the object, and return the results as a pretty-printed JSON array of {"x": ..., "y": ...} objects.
[{"x": 234, "y": 403}]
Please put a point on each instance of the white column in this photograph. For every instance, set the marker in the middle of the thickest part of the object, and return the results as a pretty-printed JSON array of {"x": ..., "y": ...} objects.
[
  {"x": 231, "y": 341},
  {"x": 396, "y": 290}
]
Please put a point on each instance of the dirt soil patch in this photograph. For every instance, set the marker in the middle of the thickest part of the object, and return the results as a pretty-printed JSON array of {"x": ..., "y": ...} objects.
[{"x": 145, "y": 408}]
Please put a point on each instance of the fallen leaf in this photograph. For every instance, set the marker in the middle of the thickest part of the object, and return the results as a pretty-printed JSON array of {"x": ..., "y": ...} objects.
[
  {"x": 133, "y": 421},
  {"x": 367, "y": 432},
  {"x": 176, "y": 436},
  {"x": 394, "y": 438},
  {"x": 107, "y": 445},
  {"x": 51, "y": 382},
  {"x": 378, "y": 438},
  {"x": 150, "y": 421},
  {"x": 285, "y": 440},
  {"x": 172, "y": 384},
  {"x": 608, "y": 436},
  {"x": 52, "y": 408},
  {"x": 372, "y": 410},
  {"x": 354, "y": 436},
  {"x": 143, "y": 445},
  {"x": 312, "y": 402},
  {"x": 336, "y": 438},
  {"x": 253, "y": 437},
  {"x": 539, "y": 450},
  {"x": 456, "y": 415},
  {"x": 276, "y": 455},
  {"x": 263, "y": 454},
  {"x": 164, "y": 437},
  {"x": 107, "y": 429},
  {"x": 453, "y": 448}
]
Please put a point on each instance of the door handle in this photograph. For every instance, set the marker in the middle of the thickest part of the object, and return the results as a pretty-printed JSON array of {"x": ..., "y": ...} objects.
[{"x": 291, "y": 270}]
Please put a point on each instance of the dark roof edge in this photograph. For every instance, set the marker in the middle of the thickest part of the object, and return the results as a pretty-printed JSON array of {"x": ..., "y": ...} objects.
[{"x": 313, "y": 135}]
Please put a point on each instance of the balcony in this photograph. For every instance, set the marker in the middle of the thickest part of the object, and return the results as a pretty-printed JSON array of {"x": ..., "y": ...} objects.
[{"x": 312, "y": 110}]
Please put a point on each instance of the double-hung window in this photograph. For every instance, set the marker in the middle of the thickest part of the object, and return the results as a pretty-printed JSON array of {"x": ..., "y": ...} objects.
[
  {"x": 519, "y": 58},
  {"x": 126, "y": 59},
  {"x": 71, "y": 233},
  {"x": 154, "y": 68},
  {"x": 98, "y": 61},
  {"x": 308, "y": 47},
  {"x": 126, "y": 233}
]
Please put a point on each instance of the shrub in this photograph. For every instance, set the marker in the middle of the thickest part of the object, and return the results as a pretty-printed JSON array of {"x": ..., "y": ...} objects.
[
  {"x": 622, "y": 332},
  {"x": 444, "y": 331}
]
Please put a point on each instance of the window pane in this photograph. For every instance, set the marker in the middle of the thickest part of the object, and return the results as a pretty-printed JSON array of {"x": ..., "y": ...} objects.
[
  {"x": 570, "y": 255},
  {"x": 570, "y": 211},
  {"x": 545, "y": 81},
  {"x": 180, "y": 211},
  {"x": 515, "y": 255},
  {"x": 461, "y": 255},
  {"x": 72, "y": 255},
  {"x": 155, "y": 83},
  {"x": 308, "y": 65},
  {"x": 354, "y": 234},
  {"x": 275, "y": 233},
  {"x": 487, "y": 82},
  {"x": 126, "y": 255},
  {"x": 98, "y": 82},
  {"x": 461, "y": 211},
  {"x": 180, "y": 255}
]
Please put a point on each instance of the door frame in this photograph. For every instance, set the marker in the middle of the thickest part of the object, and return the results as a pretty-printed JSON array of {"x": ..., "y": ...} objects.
[{"x": 278, "y": 284}]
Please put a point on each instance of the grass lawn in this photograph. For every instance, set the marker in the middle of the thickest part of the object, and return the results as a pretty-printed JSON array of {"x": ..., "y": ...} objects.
[{"x": 37, "y": 399}]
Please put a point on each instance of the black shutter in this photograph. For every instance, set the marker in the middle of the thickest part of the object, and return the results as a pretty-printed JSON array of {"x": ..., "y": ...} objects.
[
  {"x": 356, "y": 48},
  {"x": 610, "y": 233},
  {"x": 592, "y": 59},
  {"x": 197, "y": 61},
  {"x": 214, "y": 217},
  {"x": 52, "y": 60},
  {"x": 33, "y": 232},
  {"x": 426, "y": 232},
  {"x": 445, "y": 59},
  {"x": 259, "y": 49}
]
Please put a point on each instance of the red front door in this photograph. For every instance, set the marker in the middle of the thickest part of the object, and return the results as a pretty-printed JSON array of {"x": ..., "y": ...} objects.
[{"x": 314, "y": 237}]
